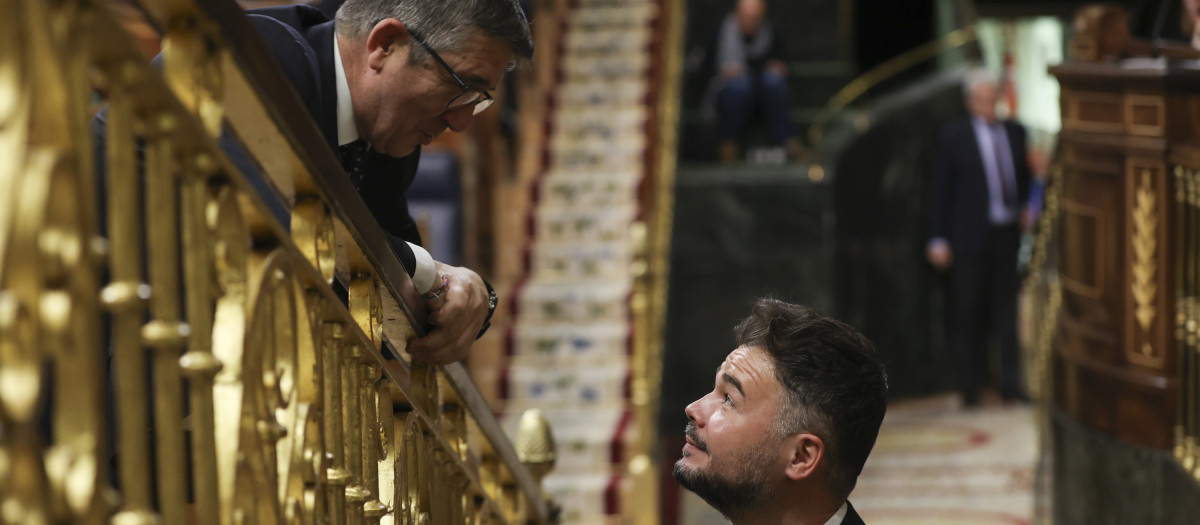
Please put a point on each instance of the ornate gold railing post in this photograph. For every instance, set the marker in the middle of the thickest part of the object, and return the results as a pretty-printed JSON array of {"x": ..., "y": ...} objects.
[
  {"x": 1187, "y": 318},
  {"x": 338, "y": 474},
  {"x": 165, "y": 334},
  {"x": 125, "y": 297},
  {"x": 198, "y": 362}
]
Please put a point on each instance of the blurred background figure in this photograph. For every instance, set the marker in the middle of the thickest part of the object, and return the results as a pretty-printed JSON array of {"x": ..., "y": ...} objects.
[
  {"x": 753, "y": 78},
  {"x": 977, "y": 213}
]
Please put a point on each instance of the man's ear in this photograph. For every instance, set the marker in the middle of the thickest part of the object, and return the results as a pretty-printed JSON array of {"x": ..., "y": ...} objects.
[
  {"x": 806, "y": 453},
  {"x": 388, "y": 37}
]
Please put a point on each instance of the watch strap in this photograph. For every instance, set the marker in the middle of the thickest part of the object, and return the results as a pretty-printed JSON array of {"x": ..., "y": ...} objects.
[{"x": 493, "y": 300}]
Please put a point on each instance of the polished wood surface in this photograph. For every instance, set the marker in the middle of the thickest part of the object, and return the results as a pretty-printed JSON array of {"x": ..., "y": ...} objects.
[{"x": 1127, "y": 125}]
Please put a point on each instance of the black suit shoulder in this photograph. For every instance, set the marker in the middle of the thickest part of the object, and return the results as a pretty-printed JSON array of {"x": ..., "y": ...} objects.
[
  {"x": 852, "y": 517},
  {"x": 956, "y": 130},
  {"x": 284, "y": 36}
]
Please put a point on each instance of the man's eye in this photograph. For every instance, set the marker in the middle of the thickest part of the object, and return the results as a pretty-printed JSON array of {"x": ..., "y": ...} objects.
[{"x": 728, "y": 400}]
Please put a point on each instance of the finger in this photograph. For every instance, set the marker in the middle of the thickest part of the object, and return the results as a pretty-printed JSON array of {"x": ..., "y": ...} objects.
[
  {"x": 433, "y": 341},
  {"x": 436, "y": 358}
]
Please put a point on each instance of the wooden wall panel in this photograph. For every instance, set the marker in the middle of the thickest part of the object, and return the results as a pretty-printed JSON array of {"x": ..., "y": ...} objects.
[{"x": 1115, "y": 348}]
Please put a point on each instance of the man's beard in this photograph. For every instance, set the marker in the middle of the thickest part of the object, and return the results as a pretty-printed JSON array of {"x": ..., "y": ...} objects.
[{"x": 733, "y": 496}]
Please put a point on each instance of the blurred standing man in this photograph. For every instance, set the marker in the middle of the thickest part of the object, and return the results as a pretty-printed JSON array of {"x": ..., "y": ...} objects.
[
  {"x": 793, "y": 414},
  {"x": 977, "y": 212},
  {"x": 754, "y": 77}
]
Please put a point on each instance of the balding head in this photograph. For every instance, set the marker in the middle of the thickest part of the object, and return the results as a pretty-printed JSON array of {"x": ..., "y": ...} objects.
[{"x": 750, "y": 15}]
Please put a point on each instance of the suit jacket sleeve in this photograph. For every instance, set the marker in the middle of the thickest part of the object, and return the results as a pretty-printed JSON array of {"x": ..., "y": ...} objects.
[{"x": 939, "y": 196}]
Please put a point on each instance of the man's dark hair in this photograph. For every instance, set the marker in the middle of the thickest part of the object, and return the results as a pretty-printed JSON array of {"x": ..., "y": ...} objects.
[
  {"x": 836, "y": 384},
  {"x": 443, "y": 24}
]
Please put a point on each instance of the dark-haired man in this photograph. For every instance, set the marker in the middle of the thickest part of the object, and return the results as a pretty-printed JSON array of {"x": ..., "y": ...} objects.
[
  {"x": 380, "y": 80},
  {"x": 792, "y": 416},
  {"x": 384, "y": 78}
]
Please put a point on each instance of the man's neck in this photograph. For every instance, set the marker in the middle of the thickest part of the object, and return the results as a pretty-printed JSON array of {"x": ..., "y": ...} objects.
[{"x": 792, "y": 511}]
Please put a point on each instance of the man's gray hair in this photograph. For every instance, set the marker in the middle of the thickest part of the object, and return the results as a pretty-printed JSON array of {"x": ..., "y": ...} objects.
[
  {"x": 975, "y": 77},
  {"x": 443, "y": 24}
]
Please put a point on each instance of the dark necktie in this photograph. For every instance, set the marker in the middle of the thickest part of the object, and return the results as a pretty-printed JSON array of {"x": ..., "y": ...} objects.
[
  {"x": 354, "y": 160},
  {"x": 1008, "y": 192}
]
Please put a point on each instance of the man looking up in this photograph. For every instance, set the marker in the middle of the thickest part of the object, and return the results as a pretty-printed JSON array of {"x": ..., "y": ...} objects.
[
  {"x": 384, "y": 78},
  {"x": 793, "y": 414}
]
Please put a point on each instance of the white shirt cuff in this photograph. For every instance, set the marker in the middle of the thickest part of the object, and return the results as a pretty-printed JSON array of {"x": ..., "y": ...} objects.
[{"x": 425, "y": 274}]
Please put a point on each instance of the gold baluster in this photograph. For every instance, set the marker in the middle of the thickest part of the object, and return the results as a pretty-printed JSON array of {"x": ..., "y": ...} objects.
[
  {"x": 388, "y": 467},
  {"x": 192, "y": 66},
  {"x": 1181, "y": 306},
  {"x": 337, "y": 475},
  {"x": 126, "y": 297},
  {"x": 1193, "y": 323},
  {"x": 198, "y": 363},
  {"x": 352, "y": 423},
  {"x": 165, "y": 333},
  {"x": 373, "y": 414}
]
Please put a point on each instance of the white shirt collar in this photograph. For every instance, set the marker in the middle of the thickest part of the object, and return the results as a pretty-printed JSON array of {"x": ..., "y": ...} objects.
[
  {"x": 347, "y": 132},
  {"x": 838, "y": 516}
]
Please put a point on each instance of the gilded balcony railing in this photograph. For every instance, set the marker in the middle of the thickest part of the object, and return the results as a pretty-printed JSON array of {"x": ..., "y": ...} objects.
[
  {"x": 172, "y": 348},
  {"x": 1187, "y": 315}
]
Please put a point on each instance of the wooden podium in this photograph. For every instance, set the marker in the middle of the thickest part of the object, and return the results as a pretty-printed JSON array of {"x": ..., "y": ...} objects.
[{"x": 1126, "y": 363}]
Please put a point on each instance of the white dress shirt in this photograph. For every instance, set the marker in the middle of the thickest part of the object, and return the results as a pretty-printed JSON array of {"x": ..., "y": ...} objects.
[
  {"x": 425, "y": 274},
  {"x": 838, "y": 516}
]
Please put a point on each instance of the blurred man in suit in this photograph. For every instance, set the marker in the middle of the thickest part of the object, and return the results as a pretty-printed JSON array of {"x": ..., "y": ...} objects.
[
  {"x": 793, "y": 414},
  {"x": 977, "y": 212}
]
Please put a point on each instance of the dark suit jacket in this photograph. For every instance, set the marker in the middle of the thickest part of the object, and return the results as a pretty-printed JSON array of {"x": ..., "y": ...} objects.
[
  {"x": 851, "y": 516},
  {"x": 959, "y": 203},
  {"x": 301, "y": 37}
]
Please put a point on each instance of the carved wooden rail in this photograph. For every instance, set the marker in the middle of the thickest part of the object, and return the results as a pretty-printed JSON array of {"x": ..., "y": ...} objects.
[{"x": 242, "y": 388}]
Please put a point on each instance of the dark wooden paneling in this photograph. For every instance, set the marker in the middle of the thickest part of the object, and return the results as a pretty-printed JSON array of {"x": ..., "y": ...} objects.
[{"x": 1115, "y": 347}]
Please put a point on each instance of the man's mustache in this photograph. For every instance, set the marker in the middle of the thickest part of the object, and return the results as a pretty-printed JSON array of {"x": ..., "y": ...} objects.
[{"x": 690, "y": 432}]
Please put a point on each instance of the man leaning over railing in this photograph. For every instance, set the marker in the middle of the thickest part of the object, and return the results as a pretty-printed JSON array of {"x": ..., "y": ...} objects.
[{"x": 380, "y": 80}]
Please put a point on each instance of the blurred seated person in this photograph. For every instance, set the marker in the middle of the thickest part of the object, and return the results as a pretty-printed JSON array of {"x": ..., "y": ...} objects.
[{"x": 753, "y": 77}]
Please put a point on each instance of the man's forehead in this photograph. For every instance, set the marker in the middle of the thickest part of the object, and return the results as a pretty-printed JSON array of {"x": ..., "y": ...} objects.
[
  {"x": 747, "y": 363},
  {"x": 479, "y": 59}
]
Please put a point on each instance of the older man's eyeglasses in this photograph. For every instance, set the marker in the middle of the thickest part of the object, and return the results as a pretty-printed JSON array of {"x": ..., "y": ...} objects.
[{"x": 469, "y": 96}]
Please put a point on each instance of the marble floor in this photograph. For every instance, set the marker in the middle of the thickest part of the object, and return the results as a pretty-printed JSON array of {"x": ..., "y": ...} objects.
[{"x": 938, "y": 464}]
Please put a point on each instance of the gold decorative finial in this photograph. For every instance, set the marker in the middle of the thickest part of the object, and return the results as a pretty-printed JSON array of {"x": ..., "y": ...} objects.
[{"x": 535, "y": 444}]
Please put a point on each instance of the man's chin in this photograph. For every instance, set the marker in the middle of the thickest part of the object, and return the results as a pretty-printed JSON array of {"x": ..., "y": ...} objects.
[
  {"x": 398, "y": 150},
  {"x": 403, "y": 151}
]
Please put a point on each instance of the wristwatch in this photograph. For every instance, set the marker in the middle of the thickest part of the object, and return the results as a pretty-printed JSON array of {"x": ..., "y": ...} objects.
[{"x": 493, "y": 300}]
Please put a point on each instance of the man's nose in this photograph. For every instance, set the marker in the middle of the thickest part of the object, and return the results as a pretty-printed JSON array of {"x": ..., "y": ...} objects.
[
  {"x": 693, "y": 412},
  {"x": 458, "y": 120}
]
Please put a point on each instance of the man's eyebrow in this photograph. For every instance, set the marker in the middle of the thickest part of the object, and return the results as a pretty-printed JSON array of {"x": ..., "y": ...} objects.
[
  {"x": 475, "y": 81},
  {"x": 734, "y": 381}
]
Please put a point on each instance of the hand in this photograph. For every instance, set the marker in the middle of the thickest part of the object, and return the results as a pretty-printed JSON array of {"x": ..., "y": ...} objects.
[
  {"x": 1026, "y": 219},
  {"x": 731, "y": 70},
  {"x": 777, "y": 66},
  {"x": 456, "y": 320},
  {"x": 940, "y": 255}
]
